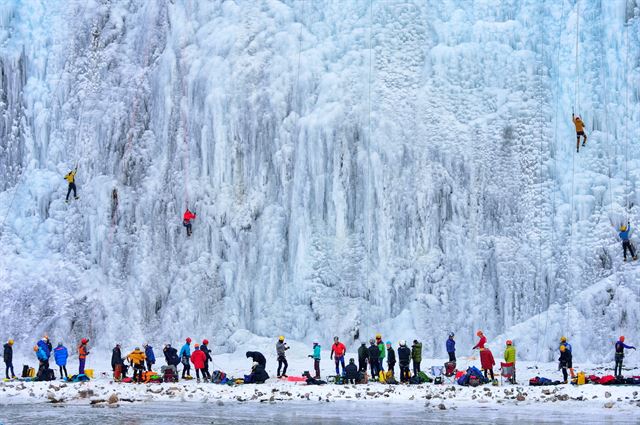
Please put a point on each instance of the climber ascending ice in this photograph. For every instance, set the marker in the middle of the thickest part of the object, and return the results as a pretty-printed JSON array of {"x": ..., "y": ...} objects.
[
  {"x": 186, "y": 220},
  {"x": 71, "y": 178},
  {"x": 625, "y": 236},
  {"x": 577, "y": 121}
]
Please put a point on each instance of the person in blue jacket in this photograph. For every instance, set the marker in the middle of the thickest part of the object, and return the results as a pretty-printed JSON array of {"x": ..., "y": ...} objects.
[
  {"x": 620, "y": 346},
  {"x": 60, "y": 354},
  {"x": 46, "y": 353},
  {"x": 43, "y": 358},
  {"x": 151, "y": 357},
  {"x": 185, "y": 357},
  {"x": 451, "y": 347},
  {"x": 625, "y": 235}
]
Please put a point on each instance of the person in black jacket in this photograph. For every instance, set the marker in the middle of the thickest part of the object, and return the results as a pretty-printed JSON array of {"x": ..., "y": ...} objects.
[
  {"x": 404, "y": 357},
  {"x": 374, "y": 354},
  {"x": 391, "y": 358},
  {"x": 171, "y": 356},
  {"x": 207, "y": 353},
  {"x": 363, "y": 357},
  {"x": 8, "y": 359},
  {"x": 116, "y": 359},
  {"x": 257, "y": 357},
  {"x": 565, "y": 362},
  {"x": 351, "y": 372},
  {"x": 258, "y": 374}
]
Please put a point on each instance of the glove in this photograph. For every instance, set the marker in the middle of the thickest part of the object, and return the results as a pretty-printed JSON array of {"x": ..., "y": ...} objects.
[{"x": 310, "y": 356}]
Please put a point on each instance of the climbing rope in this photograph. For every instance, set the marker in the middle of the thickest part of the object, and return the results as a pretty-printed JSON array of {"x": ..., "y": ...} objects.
[
  {"x": 367, "y": 231},
  {"x": 626, "y": 126},
  {"x": 577, "y": 80}
]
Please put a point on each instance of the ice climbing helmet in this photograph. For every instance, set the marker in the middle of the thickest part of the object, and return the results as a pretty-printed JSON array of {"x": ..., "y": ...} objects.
[
  {"x": 10, "y": 342},
  {"x": 281, "y": 338},
  {"x": 188, "y": 340},
  {"x": 451, "y": 334},
  {"x": 197, "y": 346},
  {"x": 84, "y": 341},
  {"x": 509, "y": 342},
  {"x": 621, "y": 339},
  {"x": 378, "y": 336},
  {"x": 205, "y": 341},
  {"x": 479, "y": 333},
  {"x": 563, "y": 339},
  {"x": 402, "y": 342},
  {"x": 623, "y": 228}
]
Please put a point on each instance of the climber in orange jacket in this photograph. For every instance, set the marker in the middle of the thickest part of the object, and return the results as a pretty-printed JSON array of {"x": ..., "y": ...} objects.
[
  {"x": 577, "y": 121},
  {"x": 186, "y": 220}
]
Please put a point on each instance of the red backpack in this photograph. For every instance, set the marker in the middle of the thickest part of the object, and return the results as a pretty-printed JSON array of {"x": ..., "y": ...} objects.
[{"x": 607, "y": 380}]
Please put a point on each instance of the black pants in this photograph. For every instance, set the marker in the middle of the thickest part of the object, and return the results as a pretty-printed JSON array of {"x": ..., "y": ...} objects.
[
  {"x": 188, "y": 226},
  {"x": 63, "y": 369},
  {"x": 137, "y": 372},
  {"x": 186, "y": 370},
  {"x": 416, "y": 367},
  {"x": 316, "y": 367},
  {"x": 205, "y": 371},
  {"x": 390, "y": 367},
  {"x": 72, "y": 186},
  {"x": 405, "y": 374},
  {"x": 149, "y": 365},
  {"x": 626, "y": 246},
  {"x": 565, "y": 376},
  {"x": 490, "y": 372},
  {"x": 452, "y": 356},
  {"x": 374, "y": 368},
  {"x": 198, "y": 373},
  {"x": 362, "y": 365},
  {"x": 9, "y": 366},
  {"x": 282, "y": 361},
  {"x": 618, "y": 367}
]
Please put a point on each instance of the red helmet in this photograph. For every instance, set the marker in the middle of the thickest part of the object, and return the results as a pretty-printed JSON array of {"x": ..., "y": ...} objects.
[
  {"x": 205, "y": 341},
  {"x": 621, "y": 338},
  {"x": 509, "y": 342},
  {"x": 478, "y": 333},
  {"x": 188, "y": 340},
  {"x": 84, "y": 340}
]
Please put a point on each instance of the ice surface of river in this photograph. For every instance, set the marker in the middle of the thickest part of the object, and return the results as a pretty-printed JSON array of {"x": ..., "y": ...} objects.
[{"x": 301, "y": 413}]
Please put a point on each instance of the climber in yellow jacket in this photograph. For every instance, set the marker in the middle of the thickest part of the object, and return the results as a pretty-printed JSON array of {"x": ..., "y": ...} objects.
[
  {"x": 71, "y": 178},
  {"x": 577, "y": 121},
  {"x": 137, "y": 358}
]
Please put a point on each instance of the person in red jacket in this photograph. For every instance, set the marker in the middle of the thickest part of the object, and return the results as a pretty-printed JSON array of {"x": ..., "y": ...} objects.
[
  {"x": 186, "y": 220},
  {"x": 486, "y": 356},
  {"x": 198, "y": 357},
  {"x": 337, "y": 353}
]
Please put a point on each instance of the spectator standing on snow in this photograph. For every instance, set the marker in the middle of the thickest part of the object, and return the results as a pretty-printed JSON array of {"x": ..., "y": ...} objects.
[
  {"x": 363, "y": 357},
  {"x": 337, "y": 354},
  {"x": 316, "y": 359},
  {"x": 620, "y": 346},
  {"x": 60, "y": 354},
  {"x": 185, "y": 356},
  {"x": 416, "y": 356},
  {"x": 150, "y": 356},
  {"x": 281, "y": 348},
  {"x": 451, "y": 347}
]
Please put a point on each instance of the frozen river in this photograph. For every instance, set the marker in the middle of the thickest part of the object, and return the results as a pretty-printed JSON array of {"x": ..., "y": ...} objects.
[{"x": 302, "y": 413}]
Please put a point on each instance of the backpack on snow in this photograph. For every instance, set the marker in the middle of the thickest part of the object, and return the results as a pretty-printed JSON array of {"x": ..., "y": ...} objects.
[
  {"x": 608, "y": 380},
  {"x": 474, "y": 381},
  {"x": 414, "y": 380},
  {"x": 25, "y": 371},
  {"x": 424, "y": 378}
]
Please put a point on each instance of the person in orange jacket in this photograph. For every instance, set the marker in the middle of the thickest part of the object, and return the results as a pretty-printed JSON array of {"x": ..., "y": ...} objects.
[
  {"x": 577, "y": 121},
  {"x": 186, "y": 220},
  {"x": 83, "y": 352}
]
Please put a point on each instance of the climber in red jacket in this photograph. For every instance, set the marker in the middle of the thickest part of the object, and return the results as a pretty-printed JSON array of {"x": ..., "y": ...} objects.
[
  {"x": 186, "y": 220},
  {"x": 198, "y": 357}
]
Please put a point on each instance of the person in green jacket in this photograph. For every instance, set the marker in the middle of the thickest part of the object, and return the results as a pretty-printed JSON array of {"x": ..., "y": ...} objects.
[
  {"x": 383, "y": 352},
  {"x": 510, "y": 357},
  {"x": 416, "y": 356}
]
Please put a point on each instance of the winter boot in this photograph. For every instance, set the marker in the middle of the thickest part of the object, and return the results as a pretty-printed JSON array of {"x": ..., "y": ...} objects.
[{"x": 635, "y": 257}]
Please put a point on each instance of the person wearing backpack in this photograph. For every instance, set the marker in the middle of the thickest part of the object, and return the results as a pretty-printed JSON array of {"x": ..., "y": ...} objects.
[
  {"x": 374, "y": 354},
  {"x": 316, "y": 359},
  {"x": 510, "y": 357},
  {"x": 198, "y": 358},
  {"x": 404, "y": 357},
  {"x": 60, "y": 354},
  {"x": 451, "y": 347},
  {"x": 337, "y": 353},
  {"x": 83, "y": 352},
  {"x": 281, "y": 348},
  {"x": 137, "y": 358},
  {"x": 185, "y": 355},
  {"x": 43, "y": 361},
  {"x": 8, "y": 359},
  {"x": 382, "y": 352},
  {"x": 391, "y": 358},
  {"x": 416, "y": 356},
  {"x": 620, "y": 346},
  {"x": 204, "y": 347},
  {"x": 117, "y": 362},
  {"x": 565, "y": 362},
  {"x": 150, "y": 356},
  {"x": 565, "y": 343},
  {"x": 363, "y": 357}
]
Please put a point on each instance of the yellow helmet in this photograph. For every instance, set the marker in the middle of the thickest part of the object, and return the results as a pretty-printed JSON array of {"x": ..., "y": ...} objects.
[
  {"x": 623, "y": 228},
  {"x": 10, "y": 342},
  {"x": 563, "y": 348},
  {"x": 281, "y": 338},
  {"x": 563, "y": 339},
  {"x": 378, "y": 336}
]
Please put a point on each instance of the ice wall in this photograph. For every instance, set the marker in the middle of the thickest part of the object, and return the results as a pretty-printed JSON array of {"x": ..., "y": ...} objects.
[{"x": 361, "y": 166}]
